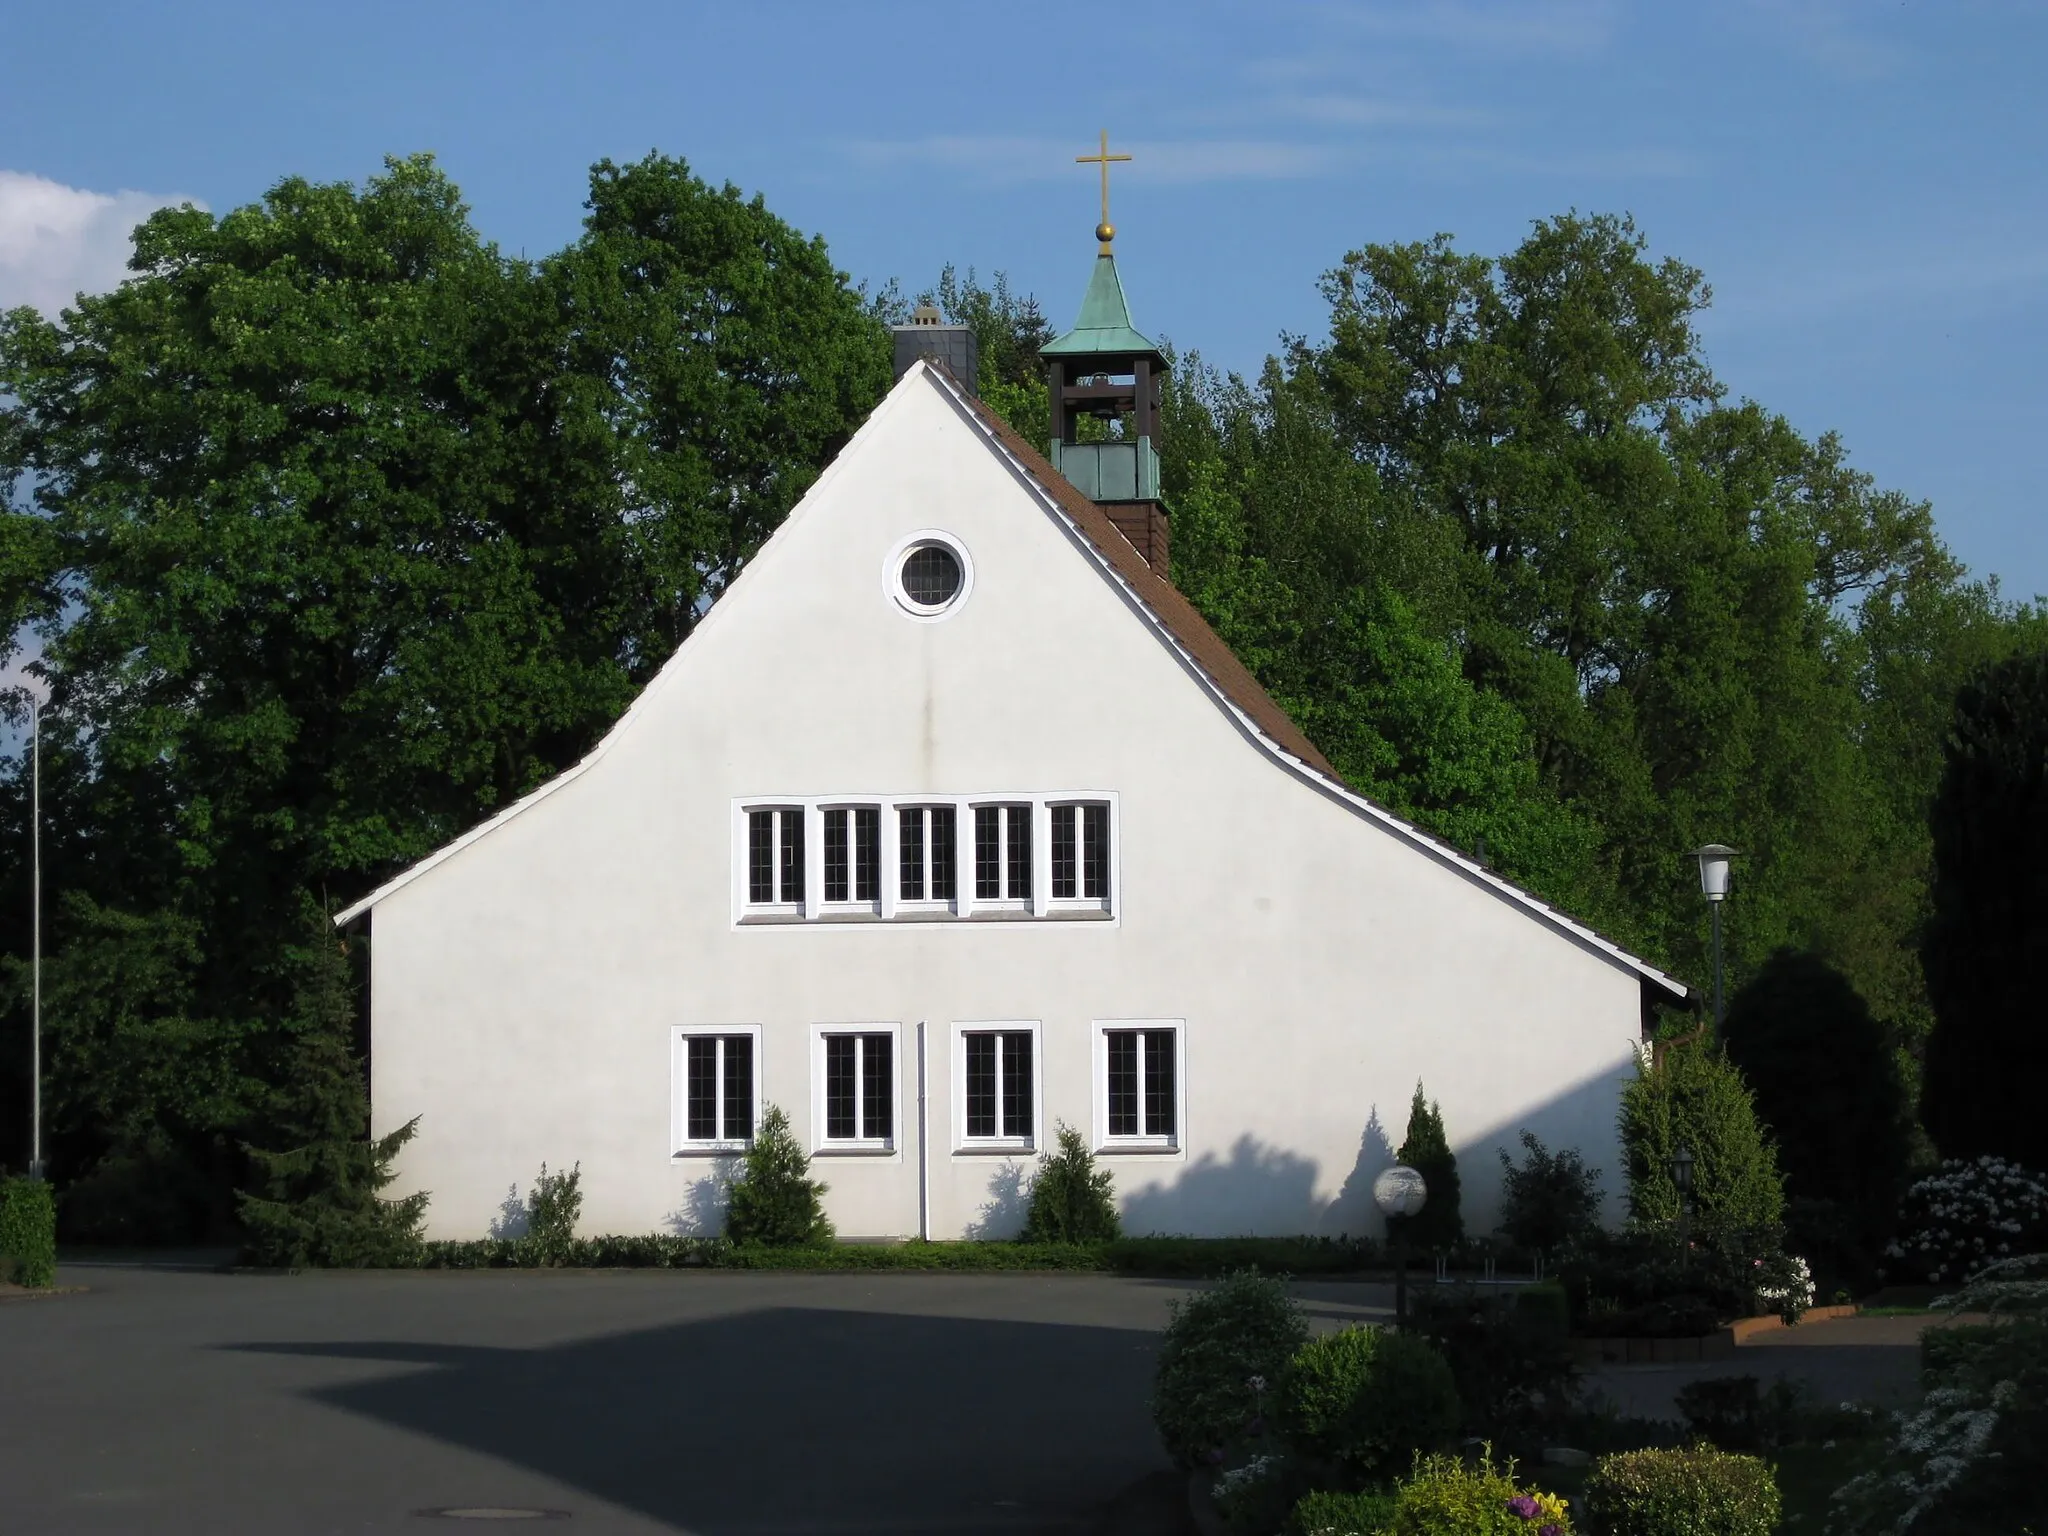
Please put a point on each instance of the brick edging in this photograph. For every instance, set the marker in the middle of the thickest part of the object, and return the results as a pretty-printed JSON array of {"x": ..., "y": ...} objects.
[{"x": 1718, "y": 1345}]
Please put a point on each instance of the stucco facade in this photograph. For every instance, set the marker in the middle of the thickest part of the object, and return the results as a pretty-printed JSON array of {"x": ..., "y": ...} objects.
[{"x": 527, "y": 983}]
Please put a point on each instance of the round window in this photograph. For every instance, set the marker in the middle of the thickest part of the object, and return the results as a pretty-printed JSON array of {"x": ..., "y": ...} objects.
[{"x": 931, "y": 576}]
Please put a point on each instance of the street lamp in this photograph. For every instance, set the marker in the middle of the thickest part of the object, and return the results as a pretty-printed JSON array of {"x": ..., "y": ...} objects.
[
  {"x": 1714, "y": 886},
  {"x": 1399, "y": 1192},
  {"x": 1681, "y": 1179},
  {"x": 35, "y": 1030}
]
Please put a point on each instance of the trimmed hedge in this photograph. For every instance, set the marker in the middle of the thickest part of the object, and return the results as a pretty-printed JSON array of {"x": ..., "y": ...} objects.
[
  {"x": 1697, "y": 1491},
  {"x": 1155, "y": 1257},
  {"x": 28, "y": 1233}
]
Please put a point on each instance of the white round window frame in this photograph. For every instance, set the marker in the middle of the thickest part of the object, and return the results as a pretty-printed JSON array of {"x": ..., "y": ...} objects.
[{"x": 892, "y": 575}]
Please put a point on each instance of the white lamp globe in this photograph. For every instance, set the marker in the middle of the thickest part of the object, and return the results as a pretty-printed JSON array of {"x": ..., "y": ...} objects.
[
  {"x": 1399, "y": 1191},
  {"x": 1714, "y": 870}
]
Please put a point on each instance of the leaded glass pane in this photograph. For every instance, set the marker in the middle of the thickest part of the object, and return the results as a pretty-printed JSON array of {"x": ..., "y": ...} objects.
[
  {"x": 1095, "y": 852},
  {"x": 942, "y": 853},
  {"x": 988, "y": 853},
  {"x": 1062, "y": 851},
  {"x": 877, "y": 1087},
  {"x": 700, "y": 1088},
  {"x": 835, "y": 856},
  {"x": 1123, "y": 1082},
  {"x": 792, "y": 856},
  {"x": 760, "y": 856},
  {"x": 931, "y": 576},
  {"x": 1159, "y": 1071},
  {"x": 839, "y": 1088},
  {"x": 1020, "y": 852},
  {"x": 981, "y": 1085},
  {"x": 1016, "y": 1085},
  {"x": 738, "y": 1108},
  {"x": 910, "y": 855},
  {"x": 867, "y": 854}
]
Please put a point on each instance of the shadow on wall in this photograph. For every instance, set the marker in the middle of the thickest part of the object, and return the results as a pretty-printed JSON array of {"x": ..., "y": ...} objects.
[
  {"x": 690, "y": 1424},
  {"x": 513, "y": 1219},
  {"x": 702, "y": 1213},
  {"x": 1261, "y": 1190},
  {"x": 1009, "y": 1202}
]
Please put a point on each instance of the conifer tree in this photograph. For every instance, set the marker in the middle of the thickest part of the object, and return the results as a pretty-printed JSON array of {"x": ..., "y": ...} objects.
[
  {"x": 1695, "y": 1097},
  {"x": 775, "y": 1201},
  {"x": 1072, "y": 1200},
  {"x": 319, "y": 1201},
  {"x": 1427, "y": 1150}
]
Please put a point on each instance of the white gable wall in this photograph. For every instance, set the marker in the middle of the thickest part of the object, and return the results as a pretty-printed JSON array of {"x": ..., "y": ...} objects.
[{"x": 525, "y": 987}]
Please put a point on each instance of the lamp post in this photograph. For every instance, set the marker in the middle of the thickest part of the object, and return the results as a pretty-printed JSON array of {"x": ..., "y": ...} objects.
[
  {"x": 35, "y": 1029},
  {"x": 1714, "y": 859},
  {"x": 1399, "y": 1192},
  {"x": 1681, "y": 1179}
]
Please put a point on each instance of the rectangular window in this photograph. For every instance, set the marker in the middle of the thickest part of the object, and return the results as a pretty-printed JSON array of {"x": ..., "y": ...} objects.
[
  {"x": 775, "y": 863},
  {"x": 1141, "y": 1084},
  {"x": 1080, "y": 852},
  {"x": 999, "y": 1099},
  {"x": 1063, "y": 861},
  {"x": 853, "y": 854},
  {"x": 1019, "y": 819},
  {"x": 924, "y": 853},
  {"x": 943, "y": 846},
  {"x": 717, "y": 1089},
  {"x": 860, "y": 1097}
]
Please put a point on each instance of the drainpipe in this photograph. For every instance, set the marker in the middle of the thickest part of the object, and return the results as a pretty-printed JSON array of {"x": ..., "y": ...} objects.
[{"x": 924, "y": 1162}]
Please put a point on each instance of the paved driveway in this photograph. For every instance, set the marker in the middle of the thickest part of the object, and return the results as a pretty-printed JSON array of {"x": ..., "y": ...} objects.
[{"x": 167, "y": 1401}]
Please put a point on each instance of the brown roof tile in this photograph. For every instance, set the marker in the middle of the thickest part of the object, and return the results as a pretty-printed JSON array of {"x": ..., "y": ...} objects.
[{"x": 1186, "y": 625}]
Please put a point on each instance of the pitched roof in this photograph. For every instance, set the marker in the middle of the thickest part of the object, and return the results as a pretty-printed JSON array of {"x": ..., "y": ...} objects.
[{"x": 1191, "y": 635}]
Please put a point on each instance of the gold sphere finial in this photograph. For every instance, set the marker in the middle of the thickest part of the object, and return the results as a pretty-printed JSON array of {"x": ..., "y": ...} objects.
[{"x": 1105, "y": 231}]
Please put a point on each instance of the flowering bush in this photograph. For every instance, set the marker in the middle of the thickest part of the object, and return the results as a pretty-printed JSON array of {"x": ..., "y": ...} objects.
[
  {"x": 1971, "y": 1214},
  {"x": 1221, "y": 1349},
  {"x": 1784, "y": 1285},
  {"x": 1445, "y": 1496}
]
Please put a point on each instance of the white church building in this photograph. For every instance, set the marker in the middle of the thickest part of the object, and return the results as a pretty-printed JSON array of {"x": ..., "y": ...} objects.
[{"x": 952, "y": 822}]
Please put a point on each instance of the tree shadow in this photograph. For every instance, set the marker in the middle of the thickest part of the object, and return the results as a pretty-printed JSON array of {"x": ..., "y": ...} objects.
[
  {"x": 1009, "y": 1202},
  {"x": 1354, "y": 1213},
  {"x": 513, "y": 1219},
  {"x": 702, "y": 1213},
  {"x": 793, "y": 1418},
  {"x": 1256, "y": 1191}
]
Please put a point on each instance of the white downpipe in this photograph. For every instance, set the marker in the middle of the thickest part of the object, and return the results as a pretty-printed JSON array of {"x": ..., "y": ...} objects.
[{"x": 924, "y": 1162}]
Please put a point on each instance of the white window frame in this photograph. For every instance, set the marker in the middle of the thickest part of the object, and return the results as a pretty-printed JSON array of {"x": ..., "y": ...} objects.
[
  {"x": 743, "y": 851},
  {"x": 680, "y": 1144},
  {"x": 928, "y": 905},
  {"x": 888, "y": 1146},
  {"x": 1148, "y": 1146},
  {"x": 885, "y": 846},
  {"x": 965, "y": 906},
  {"x": 1000, "y": 1146},
  {"x": 1079, "y": 904}
]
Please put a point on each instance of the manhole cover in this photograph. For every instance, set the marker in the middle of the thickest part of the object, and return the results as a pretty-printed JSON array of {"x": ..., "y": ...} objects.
[{"x": 492, "y": 1512}]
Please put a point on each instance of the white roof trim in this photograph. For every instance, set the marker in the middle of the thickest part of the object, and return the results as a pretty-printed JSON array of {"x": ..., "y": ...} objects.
[{"x": 1315, "y": 777}]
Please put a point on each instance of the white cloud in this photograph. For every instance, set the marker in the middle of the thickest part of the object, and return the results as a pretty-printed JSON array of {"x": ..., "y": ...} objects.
[{"x": 56, "y": 241}]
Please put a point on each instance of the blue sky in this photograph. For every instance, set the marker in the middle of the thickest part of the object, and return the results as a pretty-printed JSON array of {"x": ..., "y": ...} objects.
[{"x": 1863, "y": 184}]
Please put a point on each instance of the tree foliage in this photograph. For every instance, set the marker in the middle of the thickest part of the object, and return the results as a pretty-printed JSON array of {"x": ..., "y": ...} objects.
[
  {"x": 1825, "y": 1080},
  {"x": 1425, "y": 1148},
  {"x": 1989, "y": 928},
  {"x": 1694, "y": 1097},
  {"x": 342, "y": 529},
  {"x": 775, "y": 1201},
  {"x": 1072, "y": 1200}
]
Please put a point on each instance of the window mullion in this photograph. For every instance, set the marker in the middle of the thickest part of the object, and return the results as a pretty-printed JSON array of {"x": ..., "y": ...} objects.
[{"x": 1040, "y": 820}]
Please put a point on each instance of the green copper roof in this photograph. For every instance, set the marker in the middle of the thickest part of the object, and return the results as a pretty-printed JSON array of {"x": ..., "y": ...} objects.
[{"x": 1105, "y": 323}]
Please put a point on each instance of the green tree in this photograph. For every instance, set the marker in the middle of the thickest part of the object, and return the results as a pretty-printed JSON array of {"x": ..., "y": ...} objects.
[
  {"x": 1694, "y": 1097},
  {"x": 1072, "y": 1200},
  {"x": 1427, "y": 1150},
  {"x": 775, "y": 1201},
  {"x": 1989, "y": 927},
  {"x": 1825, "y": 1080},
  {"x": 342, "y": 530}
]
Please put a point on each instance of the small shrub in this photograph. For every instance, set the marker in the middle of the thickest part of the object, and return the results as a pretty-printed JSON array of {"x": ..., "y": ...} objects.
[
  {"x": 775, "y": 1201},
  {"x": 551, "y": 1212},
  {"x": 1366, "y": 1400},
  {"x": 1255, "y": 1498},
  {"x": 28, "y": 1233},
  {"x": 1551, "y": 1201},
  {"x": 1512, "y": 1362},
  {"x": 1325, "y": 1513},
  {"x": 1072, "y": 1201},
  {"x": 1444, "y": 1496},
  {"x": 1223, "y": 1353},
  {"x": 1696, "y": 1491},
  {"x": 1969, "y": 1215}
]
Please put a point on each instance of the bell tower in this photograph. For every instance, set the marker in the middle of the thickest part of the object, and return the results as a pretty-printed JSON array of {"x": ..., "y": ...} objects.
[{"x": 1103, "y": 382}]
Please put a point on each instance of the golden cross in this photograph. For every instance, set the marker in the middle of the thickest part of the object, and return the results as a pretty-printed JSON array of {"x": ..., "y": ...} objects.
[{"x": 1105, "y": 231}]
